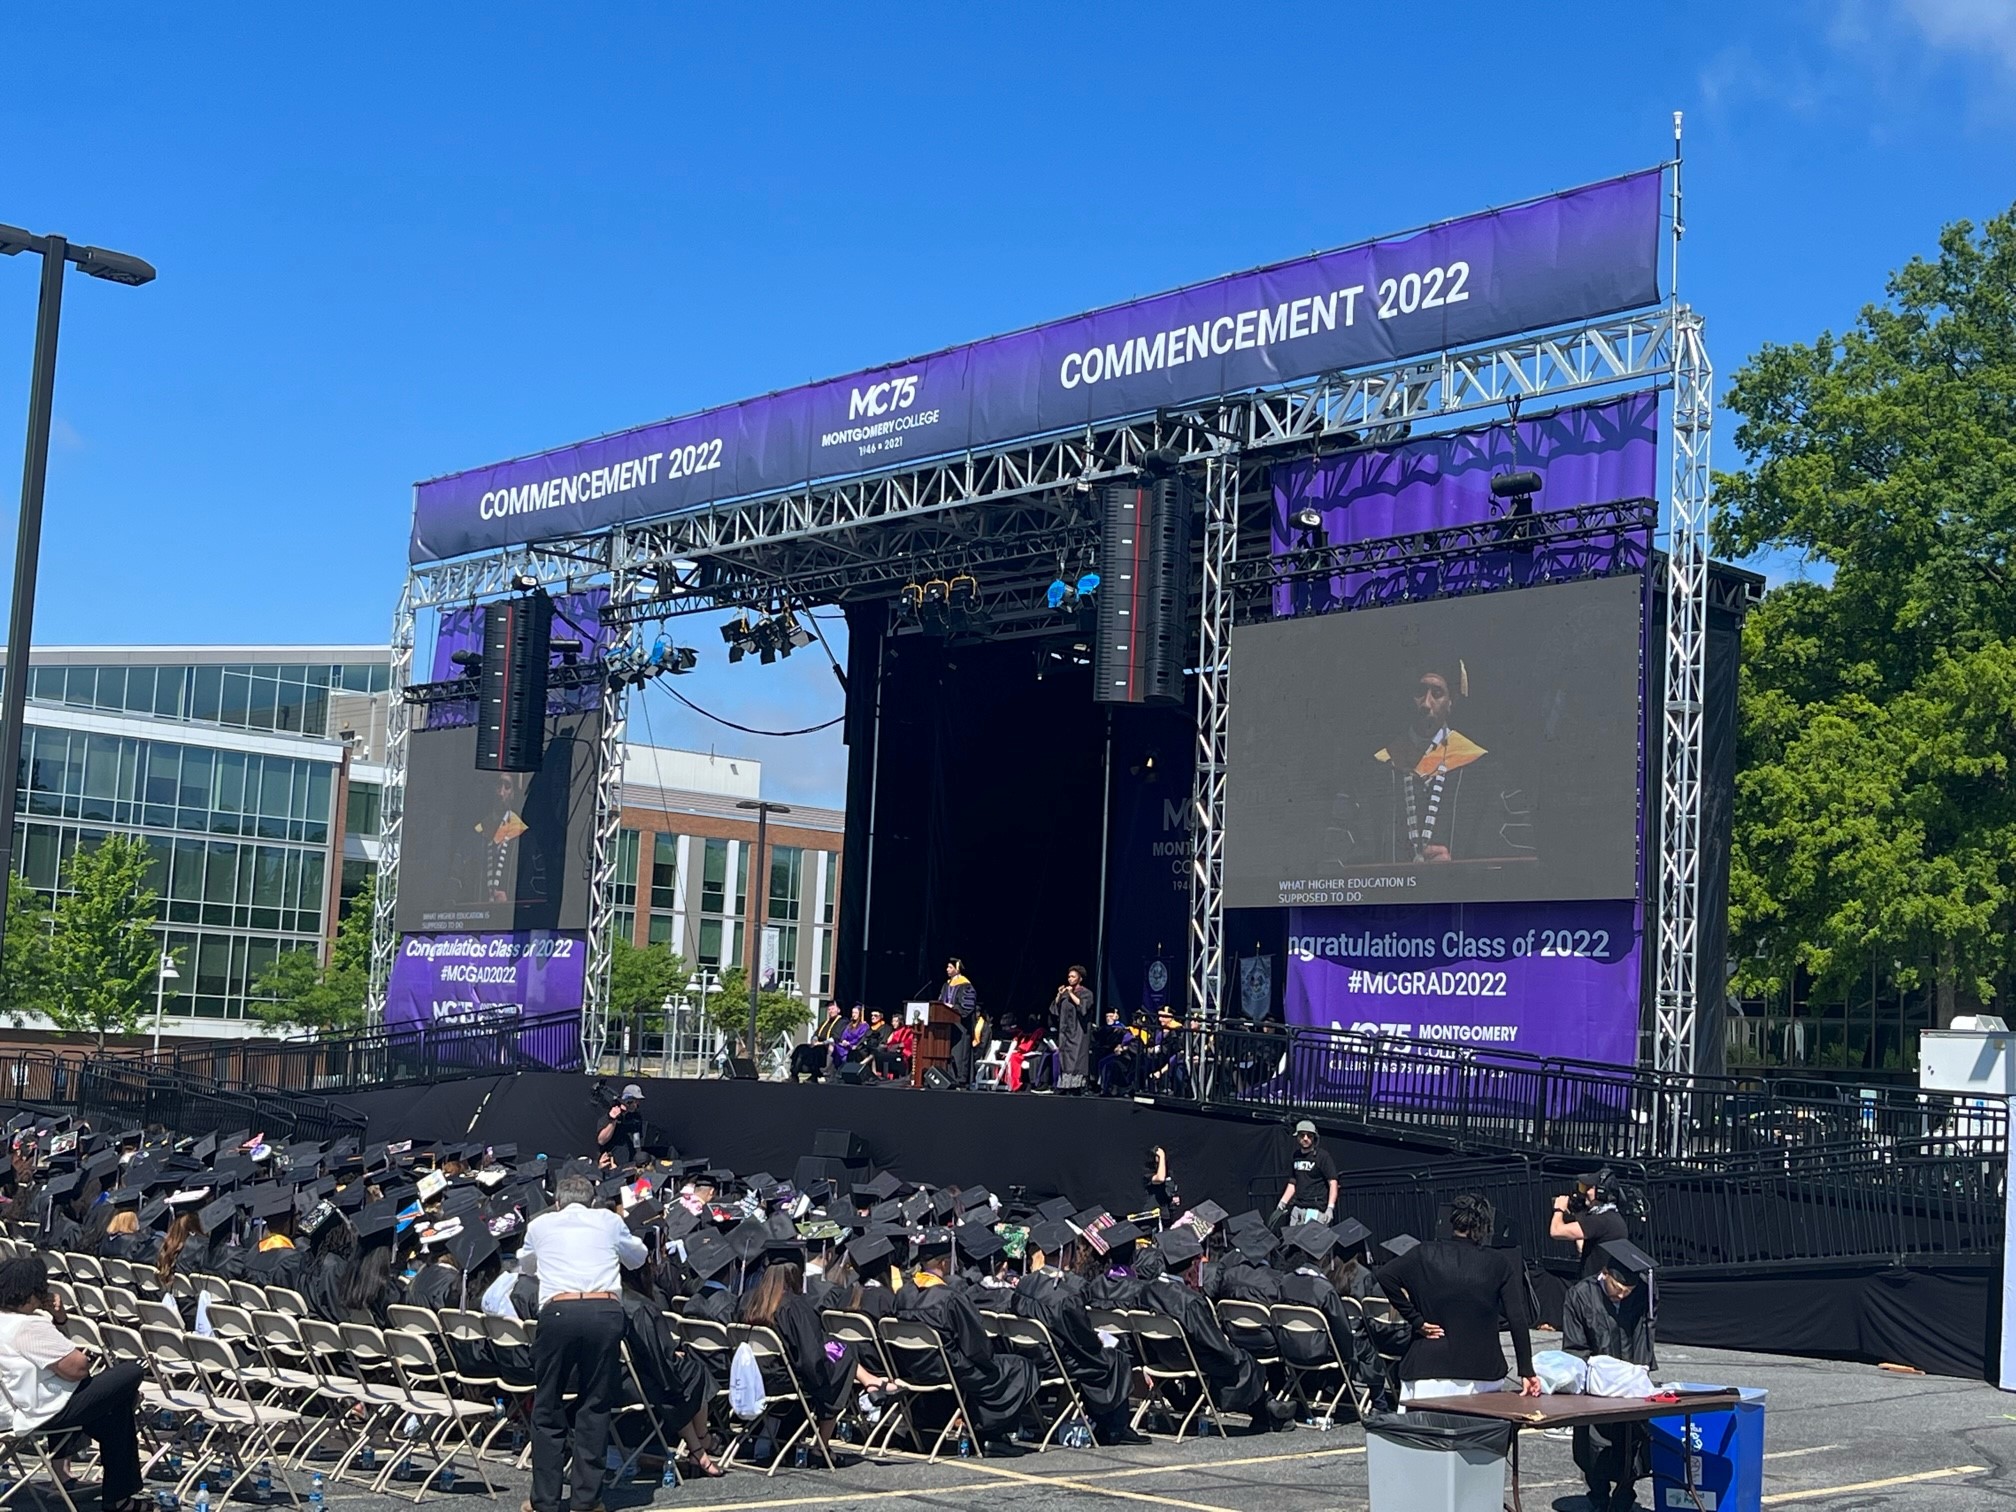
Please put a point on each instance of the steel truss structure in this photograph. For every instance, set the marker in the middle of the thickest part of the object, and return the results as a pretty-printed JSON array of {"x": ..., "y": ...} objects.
[{"x": 1005, "y": 515}]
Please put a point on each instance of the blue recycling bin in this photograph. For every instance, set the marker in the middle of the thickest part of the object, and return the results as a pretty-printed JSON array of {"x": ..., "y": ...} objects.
[{"x": 1727, "y": 1447}]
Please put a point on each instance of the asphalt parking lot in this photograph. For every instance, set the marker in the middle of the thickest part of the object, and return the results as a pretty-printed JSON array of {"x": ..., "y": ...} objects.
[{"x": 1836, "y": 1435}]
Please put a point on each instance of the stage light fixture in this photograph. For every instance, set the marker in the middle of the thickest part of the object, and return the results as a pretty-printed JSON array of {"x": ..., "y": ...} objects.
[
  {"x": 1088, "y": 584},
  {"x": 470, "y": 659},
  {"x": 1515, "y": 485},
  {"x": 1307, "y": 519},
  {"x": 1055, "y": 595},
  {"x": 524, "y": 582}
]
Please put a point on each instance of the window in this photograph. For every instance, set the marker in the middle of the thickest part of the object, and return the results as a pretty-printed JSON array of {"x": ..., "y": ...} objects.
[
  {"x": 825, "y": 971},
  {"x": 363, "y": 815},
  {"x": 662, "y": 927},
  {"x": 624, "y": 884},
  {"x": 623, "y": 925},
  {"x": 829, "y": 885},
  {"x": 664, "y": 871},
  {"x": 720, "y": 944},
  {"x": 787, "y": 875},
  {"x": 714, "y": 877}
]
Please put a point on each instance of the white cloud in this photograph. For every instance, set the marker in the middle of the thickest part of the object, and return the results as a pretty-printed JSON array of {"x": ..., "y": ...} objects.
[{"x": 1976, "y": 28}]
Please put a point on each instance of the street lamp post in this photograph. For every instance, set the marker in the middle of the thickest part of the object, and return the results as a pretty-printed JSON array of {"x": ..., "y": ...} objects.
[
  {"x": 163, "y": 975},
  {"x": 115, "y": 267},
  {"x": 759, "y": 888}
]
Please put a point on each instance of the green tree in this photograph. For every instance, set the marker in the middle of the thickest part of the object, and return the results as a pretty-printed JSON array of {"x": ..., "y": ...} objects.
[
  {"x": 1875, "y": 813},
  {"x": 103, "y": 953},
  {"x": 24, "y": 971},
  {"x": 297, "y": 992},
  {"x": 641, "y": 980},
  {"x": 777, "y": 1013}
]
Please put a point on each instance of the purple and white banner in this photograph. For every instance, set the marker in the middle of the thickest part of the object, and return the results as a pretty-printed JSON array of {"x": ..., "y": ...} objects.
[
  {"x": 1545, "y": 979},
  {"x": 479, "y": 978},
  {"x": 1570, "y": 256}
]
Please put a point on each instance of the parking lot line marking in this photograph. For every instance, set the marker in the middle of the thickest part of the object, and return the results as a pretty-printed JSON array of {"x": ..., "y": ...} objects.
[
  {"x": 1876, "y": 1485},
  {"x": 1208, "y": 1465},
  {"x": 822, "y": 1501},
  {"x": 1795, "y": 1453},
  {"x": 1072, "y": 1483}
]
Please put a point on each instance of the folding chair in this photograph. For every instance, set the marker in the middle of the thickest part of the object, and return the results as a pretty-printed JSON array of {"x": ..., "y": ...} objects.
[
  {"x": 858, "y": 1329},
  {"x": 83, "y": 1268},
  {"x": 300, "y": 1358},
  {"x": 420, "y": 1320},
  {"x": 184, "y": 1390},
  {"x": 773, "y": 1359},
  {"x": 370, "y": 1403},
  {"x": 84, "y": 1330},
  {"x": 921, "y": 1369},
  {"x": 251, "y": 1428},
  {"x": 1248, "y": 1325},
  {"x": 641, "y": 1402},
  {"x": 157, "y": 1312},
  {"x": 17, "y": 1443},
  {"x": 284, "y": 1299},
  {"x": 1165, "y": 1355},
  {"x": 430, "y": 1397},
  {"x": 1030, "y": 1338},
  {"x": 1310, "y": 1331},
  {"x": 515, "y": 1335},
  {"x": 121, "y": 1304},
  {"x": 990, "y": 1072}
]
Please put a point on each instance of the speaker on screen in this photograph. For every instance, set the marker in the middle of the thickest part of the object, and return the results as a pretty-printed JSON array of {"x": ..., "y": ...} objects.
[
  {"x": 511, "y": 707},
  {"x": 1142, "y": 622}
]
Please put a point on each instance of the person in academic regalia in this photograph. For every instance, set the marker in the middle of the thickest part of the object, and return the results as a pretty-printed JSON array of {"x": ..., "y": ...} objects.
[
  {"x": 332, "y": 1254},
  {"x": 1110, "y": 1282},
  {"x": 1238, "y": 1384},
  {"x": 438, "y": 1283},
  {"x": 962, "y": 998},
  {"x": 1314, "y": 1283},
  {"x": 996, "y": 1386},
  {"x": 1076, "y": 1017},
  {"x": 828, "y": 1370},
  {"x": 709, "y": 1258},
  {"x": 679, "y": 1385},
  {"x": 1610, "y": 1313},
  {"x": 1056, "y": 1299},
  {"x": 861, "y": 1283}
]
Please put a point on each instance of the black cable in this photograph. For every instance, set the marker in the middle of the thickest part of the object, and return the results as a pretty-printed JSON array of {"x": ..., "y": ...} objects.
[{"x": 748, "y": 730}]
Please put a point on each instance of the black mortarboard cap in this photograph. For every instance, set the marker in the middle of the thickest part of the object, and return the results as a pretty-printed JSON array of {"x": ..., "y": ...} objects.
[
  {"x": 271, "y": 1200},
  {"x": 503, "y": 1154},
  {"x": 205, "y": 1147},
  {"x": 870, "y": 1250},
  {"x": 882, "y": 1188},
  {"x": 1117, "y": 1239},
  {"x": 351, "y": 1198},
  {"x": 1206, "y": 1216},
  {"x": 1179, "y": 1246},
  {"x": 1351, "y": 1234},
  {"x": 1057, "y": 1209},
  {"x": 125, "y": 1196},
  {"x": 1623, "y": 1256},
  {"x": 63, "y": 1186},
  {"x": 1399, "y": 1244},
  {"x": 886, "y": 1212},
  {"x": 1246, "y": 1222},
  {"x": 748, "y": 1238},
  {"x": 102, "y": 1165},
  {"x": 1050, "y": 1236},
  {"x": 377, "y": 1222},
  {"x": 152, "y": 1212},
  {"x": 679, "y": 1221},
  {"x": 218, "y": 1215},
  {"x": 977, "y": 1241},
  {"x": 1313, "y": 1239},
  {"x": 1255, "y": 1245},
  {"x": 708, "y": 1253},
  {"x": 472, "y": 1246},
  {"x": 973, "y": 1197},
  {"x": 461, "y": 1199},
  {"x": 934, "y": 1241},
  {"x": 643, "y": 1214}
]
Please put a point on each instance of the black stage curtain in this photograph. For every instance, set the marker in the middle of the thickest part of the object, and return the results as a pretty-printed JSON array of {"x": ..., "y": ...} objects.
[
  {"x": 944, "y": 1138},
  {"x": 1942, "y": 1318},
  {"x": 987, "y": 802}
]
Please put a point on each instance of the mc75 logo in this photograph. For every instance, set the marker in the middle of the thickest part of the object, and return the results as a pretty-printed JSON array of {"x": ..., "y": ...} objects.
[{"x": 881, "y": 398}]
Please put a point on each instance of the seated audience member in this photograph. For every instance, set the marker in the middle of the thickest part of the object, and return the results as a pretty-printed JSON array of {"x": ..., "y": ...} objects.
[
  {"x": 1120, "y": 1049},
  {"x": 996, "y": 1386},
  {"x": 673, "y": 1377},
  {"x": 829, "y": 1371},
  {"x": 1056, "y": 1298},
  {"x": 53, "y": 1384},
  {"x": 1237, "y": 1382}
]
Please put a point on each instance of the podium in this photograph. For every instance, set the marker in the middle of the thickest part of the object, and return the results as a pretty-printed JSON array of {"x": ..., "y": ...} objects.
[{"x": 936, "y": 1036}]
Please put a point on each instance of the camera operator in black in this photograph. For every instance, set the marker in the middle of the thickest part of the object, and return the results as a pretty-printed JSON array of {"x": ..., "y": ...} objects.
[
  {"x": 1589, "y": 1216},
  {"x": 622, "y": 1133}
]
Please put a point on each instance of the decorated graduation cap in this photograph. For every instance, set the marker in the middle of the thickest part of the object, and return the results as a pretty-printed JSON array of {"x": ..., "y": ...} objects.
[
  {"x": 1626, "y": 1261},
  {"x": 1204, "y": 1217},
  {"x": 1116, "y": 1239}
]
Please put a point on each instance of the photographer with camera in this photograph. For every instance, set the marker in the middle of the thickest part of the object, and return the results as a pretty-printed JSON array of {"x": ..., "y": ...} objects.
[
  {"x": 1589, "y": 1216},
  {"x": 53, "y": 1384},
  {"x": 621, "y": 1136}
]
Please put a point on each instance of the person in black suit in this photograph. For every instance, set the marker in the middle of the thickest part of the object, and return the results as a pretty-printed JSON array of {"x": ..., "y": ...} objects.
[{"x": 1452, "y": 1293}]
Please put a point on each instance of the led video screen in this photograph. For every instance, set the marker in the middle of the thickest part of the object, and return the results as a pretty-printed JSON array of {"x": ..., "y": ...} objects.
[
  {"x": 498, "y": 851},
  {"x": 1464, "y": 750}
]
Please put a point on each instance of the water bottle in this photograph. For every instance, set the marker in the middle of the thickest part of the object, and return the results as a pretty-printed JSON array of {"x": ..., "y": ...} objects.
[
  {"x": 368, "y": 1460},
  {"x": 670, "y": 1479},
  {"x": 203, "y": 1496},
  {"x": 803, "y": 1458},
  {"x": 497, "y": 1407},
  {"x": 965, "y": 1446},
  {"x": 315, "y": 1493},
  {"x": 262, "y": 1488},
  {"x": 167, "y": 1501},
  {"x": 1324, "y": 1423},
  {"x": 447, "y": 1478},
  {"x": 175, "y": 1464}
]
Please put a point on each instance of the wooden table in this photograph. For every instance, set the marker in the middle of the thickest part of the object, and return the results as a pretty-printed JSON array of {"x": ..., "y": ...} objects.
[{"x": 1580, "y": 1411}]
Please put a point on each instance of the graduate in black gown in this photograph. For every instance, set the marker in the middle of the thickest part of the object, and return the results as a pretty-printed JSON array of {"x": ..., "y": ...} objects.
[
  {"x": 438, "y": 1283},
  {"x": 1056, "y": 1299},
  {"x": 1110, "y": 1282},
  {"x": 1610, "y": 1313},
  {"x": 861, "y": 1282},
  {"x": 332, "y": 1251},
  {"x": 711, "y": 1261},
  {"x": 679, "y": 1385},
  {"x": 827, "y": 1370},
  {"x": 1238, "y": 1384},
  {"x": 996, "y": 1386},
  {"x": 1314, "y": 1283}
]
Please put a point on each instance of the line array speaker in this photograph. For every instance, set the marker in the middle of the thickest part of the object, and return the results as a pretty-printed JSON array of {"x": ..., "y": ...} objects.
[
  {"x": 511, "y": 708},
  {"x": 1142, "y": 631}
]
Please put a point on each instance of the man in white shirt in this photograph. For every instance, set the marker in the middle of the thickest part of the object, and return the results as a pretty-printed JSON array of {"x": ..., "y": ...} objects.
[{"x": 580, "y": 1251}]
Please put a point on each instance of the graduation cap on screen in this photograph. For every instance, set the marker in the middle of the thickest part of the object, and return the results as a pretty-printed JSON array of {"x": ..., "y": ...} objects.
[
  {"x": 1313, "y": 1239},
  {"x": 1351, "y": 1234},
  {"x": 1625, "y": 1260},
  {"x": 1399, "y": 1244},
  {"x": 1179, "y": 1246}
]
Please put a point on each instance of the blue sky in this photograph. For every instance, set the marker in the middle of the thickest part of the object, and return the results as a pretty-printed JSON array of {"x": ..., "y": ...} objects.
[{"x": 399, "y": 241}]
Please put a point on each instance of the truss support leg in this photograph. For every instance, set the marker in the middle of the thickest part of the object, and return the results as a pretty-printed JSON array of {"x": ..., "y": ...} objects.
[
  {"x": 392, "y": 813},
  {"x": 1207, "y": 808}
]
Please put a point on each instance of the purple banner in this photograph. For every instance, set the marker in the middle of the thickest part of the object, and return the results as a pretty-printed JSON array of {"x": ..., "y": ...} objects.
[
  {"x": 1591, "y": 454},
  {"x": 1545, "y": 979},
  {"x": 480, "y": 978},
  {"x": 1570, "y": 256}
]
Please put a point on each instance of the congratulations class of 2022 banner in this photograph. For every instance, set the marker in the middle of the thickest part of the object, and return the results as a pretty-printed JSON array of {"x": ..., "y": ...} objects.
[{"x": 1571, "y": 256}]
